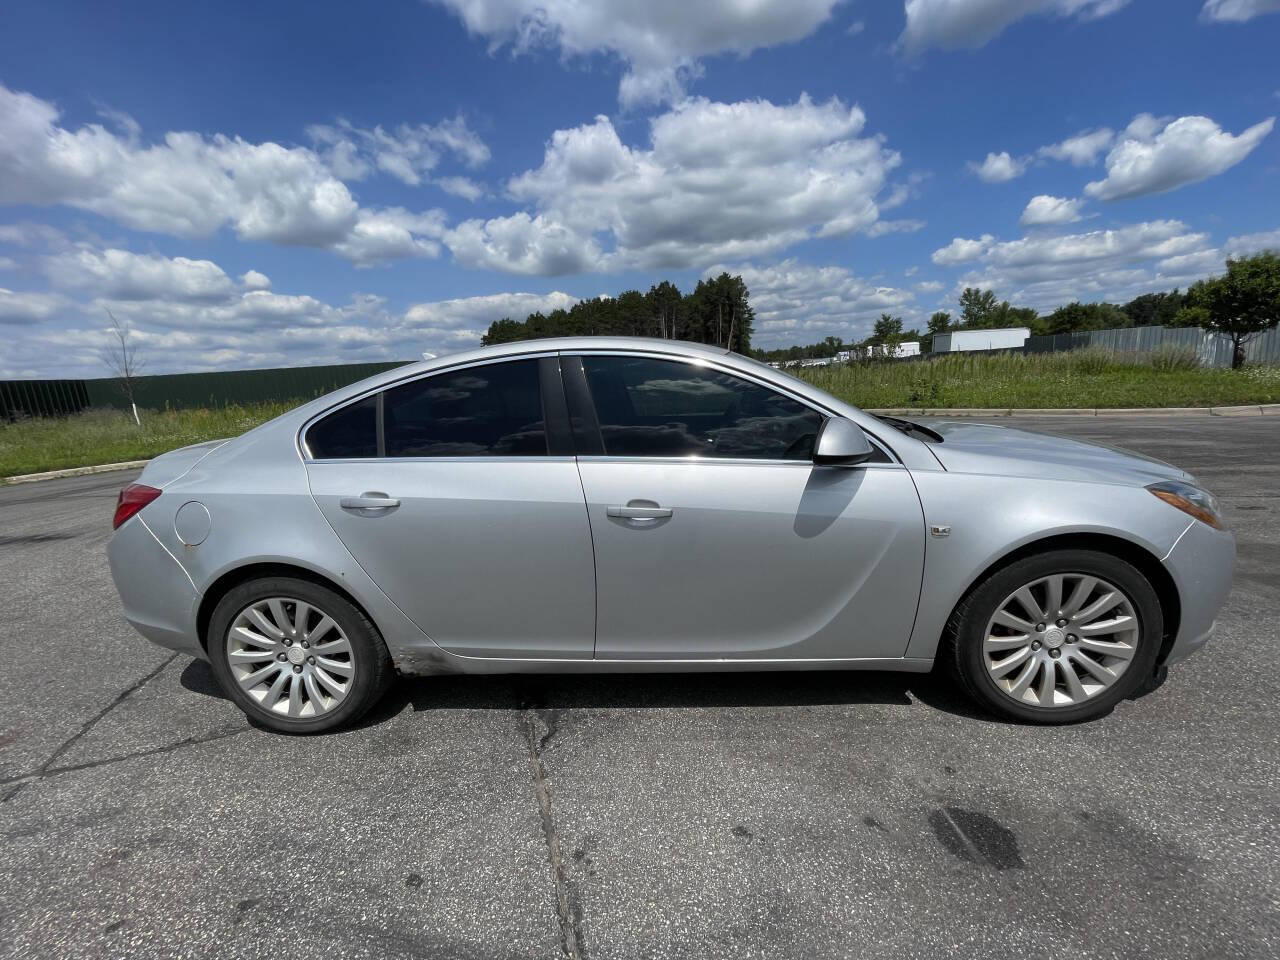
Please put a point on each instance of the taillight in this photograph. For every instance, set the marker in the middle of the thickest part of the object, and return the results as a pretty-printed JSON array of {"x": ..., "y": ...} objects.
[{"x": 132, "y": 499}]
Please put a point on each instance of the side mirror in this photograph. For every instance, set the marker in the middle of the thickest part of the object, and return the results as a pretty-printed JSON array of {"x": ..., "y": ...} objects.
[{"x": 841, "y": 443}]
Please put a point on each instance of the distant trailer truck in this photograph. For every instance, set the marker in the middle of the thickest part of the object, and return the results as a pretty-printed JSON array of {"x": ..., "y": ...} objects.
[
  {"x": 961, "y": 341},
  {"x": 910, "y": 348}
]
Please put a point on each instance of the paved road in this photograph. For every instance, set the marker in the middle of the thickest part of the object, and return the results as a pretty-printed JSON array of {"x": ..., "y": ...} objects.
[{"x": 867, "y": 815}]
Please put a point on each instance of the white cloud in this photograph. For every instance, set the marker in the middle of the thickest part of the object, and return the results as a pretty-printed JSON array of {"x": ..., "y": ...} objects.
[
  {"x": 186, "y": 185},
  {"x": 999, "y": 167},
  {"x": 253, "y": 280},
  {"x": 961, "y": 250},
  {"x": 121, "y": 275},
  {"x": 1159, "y": 238},
  {"x": 799, "y": 303},
  {"x": 243, "y": 328},
  {"x": 1237, "y": 11},
  {"x": 719, "y": 181},
  {"x": 660, "y": 41},
  {"x": 951, "y": 24},
  {"x": 21, "y": 307},
  {"x": 1253, "y": 242},
  {"x": 1045, "y": 271},
  {"x": 1199, "y": 263},
  {"x": 1187, "y": 150},
  {"x": 881, "y": 227},
  {"x": 392, "y": 233},
  {"x": 1083, "y": 149},
  {"x": 1115, "y": 265},
  {"x": 408, "y": 153},
  {"x": 1044, "y": 209},
  {"x": 523, "y": 244},
  {"x": 930, "y": 286},
  {"x": 474, "y": 314},
  {"x": 27, "y": 233},
  {"x": 462, "y": 187}
]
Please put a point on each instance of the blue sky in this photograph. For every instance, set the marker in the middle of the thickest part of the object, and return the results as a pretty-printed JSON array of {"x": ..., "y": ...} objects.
[{"x": 280, "y": 184}]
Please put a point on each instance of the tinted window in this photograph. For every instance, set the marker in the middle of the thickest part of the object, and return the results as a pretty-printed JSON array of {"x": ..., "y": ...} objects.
[
  {"x": 663, "y": 408},
  {"x": 490, "y": 410},
  {"x": 349, "y": 432}
]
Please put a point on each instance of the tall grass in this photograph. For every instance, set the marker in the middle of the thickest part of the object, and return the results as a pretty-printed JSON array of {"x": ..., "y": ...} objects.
[
  {"x": 109, "y": 436},
  {"x": 1080, "y": 378}
]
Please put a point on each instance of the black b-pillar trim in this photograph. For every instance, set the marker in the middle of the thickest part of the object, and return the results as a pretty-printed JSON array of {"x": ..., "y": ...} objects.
[
  {"x": 582, "y": 410},
  {"x": 555, "y": 413}
]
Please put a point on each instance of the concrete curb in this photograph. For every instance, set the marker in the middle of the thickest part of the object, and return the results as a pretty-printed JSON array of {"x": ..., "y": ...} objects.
[
  {"x": 1250, "y": 410},
  {"x": 75, "y": 472}
]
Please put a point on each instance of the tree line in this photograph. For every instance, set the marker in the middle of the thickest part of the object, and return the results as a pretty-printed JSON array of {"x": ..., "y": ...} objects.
[
  {"x": 1241, "y": 303},
  {"x": 717, "y": 311}
]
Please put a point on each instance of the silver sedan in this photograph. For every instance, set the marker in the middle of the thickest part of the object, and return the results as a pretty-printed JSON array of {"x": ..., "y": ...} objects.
[{"x": 626, "y": 505}]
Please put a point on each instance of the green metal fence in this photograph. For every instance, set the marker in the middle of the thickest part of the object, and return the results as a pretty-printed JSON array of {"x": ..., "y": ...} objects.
[
  {"x": 41, "y": 398},
  {"x": 1213, "y": 349},
  {"x": 176, "y": 391}
]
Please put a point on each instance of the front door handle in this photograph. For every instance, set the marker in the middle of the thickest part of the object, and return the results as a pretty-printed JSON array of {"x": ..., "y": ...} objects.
[
  {"x": 639, "y": 513},
  {"x": 369, "y": 501}
]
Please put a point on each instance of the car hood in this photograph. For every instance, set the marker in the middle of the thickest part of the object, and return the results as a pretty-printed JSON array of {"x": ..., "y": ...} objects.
[
  {"x": 168, "y": 467},
  {"x": 982, "y": 448}
]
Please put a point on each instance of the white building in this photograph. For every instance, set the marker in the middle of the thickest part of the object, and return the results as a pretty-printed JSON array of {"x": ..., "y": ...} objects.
[
  {"x": 910, "y": 348},
  {"x": 958, "y": 341}
]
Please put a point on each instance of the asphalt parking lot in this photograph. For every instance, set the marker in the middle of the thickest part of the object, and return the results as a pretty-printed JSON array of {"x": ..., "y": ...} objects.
[{"x": 823, "y": 815}]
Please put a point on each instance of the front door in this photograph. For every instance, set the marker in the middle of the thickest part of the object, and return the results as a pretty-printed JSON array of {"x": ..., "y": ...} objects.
[
  {"x": 457, "y": 497},
  {"x": 715, "y": 535}
]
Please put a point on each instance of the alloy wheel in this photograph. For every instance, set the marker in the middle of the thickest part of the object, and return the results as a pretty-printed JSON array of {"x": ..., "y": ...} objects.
[
  {"x": 1059, "y": 640},
  {"x": 290, "y": 657}
]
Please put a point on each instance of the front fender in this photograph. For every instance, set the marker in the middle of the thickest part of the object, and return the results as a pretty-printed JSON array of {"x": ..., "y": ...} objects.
[{"x": 991, "y": 517}]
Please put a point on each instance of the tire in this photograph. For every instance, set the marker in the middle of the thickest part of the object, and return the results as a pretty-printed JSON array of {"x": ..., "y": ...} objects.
[
  {"x": 260, "y": 646},
  {"x": 1122, "y": 639}
]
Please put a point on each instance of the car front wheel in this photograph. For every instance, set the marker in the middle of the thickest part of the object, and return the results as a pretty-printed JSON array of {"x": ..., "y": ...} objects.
[
  {"x": 295, "y": 656},
  {"x": 1058, "y": 637}
]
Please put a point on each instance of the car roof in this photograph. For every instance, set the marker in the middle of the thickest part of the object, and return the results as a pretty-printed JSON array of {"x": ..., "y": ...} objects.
[{"x": 560, "y": 344}]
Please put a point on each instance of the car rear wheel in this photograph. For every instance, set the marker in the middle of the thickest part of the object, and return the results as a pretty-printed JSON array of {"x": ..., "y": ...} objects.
[
  {"x": 1057, "y": 638},
  {"x": 296, "y": 656}
]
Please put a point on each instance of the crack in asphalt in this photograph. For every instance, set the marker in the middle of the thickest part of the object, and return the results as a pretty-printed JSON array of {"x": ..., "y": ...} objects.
[
  {"x": 85, "y": 727},
  {"x": 568, "y": 908},
  {"x": 105, "y": 761}
]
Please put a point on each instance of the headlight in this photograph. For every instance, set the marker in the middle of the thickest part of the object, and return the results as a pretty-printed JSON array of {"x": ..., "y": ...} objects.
[{"x": 1191, "y": 500}]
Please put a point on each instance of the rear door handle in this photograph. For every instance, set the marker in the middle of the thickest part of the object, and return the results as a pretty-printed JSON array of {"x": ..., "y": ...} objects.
[
  {"x": 639, "y": 513},
  {"x": 369, "y": 501}
]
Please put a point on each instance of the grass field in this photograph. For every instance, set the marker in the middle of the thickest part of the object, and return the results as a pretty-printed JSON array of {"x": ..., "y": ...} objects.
[
  {"x": 1084, "y": 378},
  {"x": 102, "y": 436}
]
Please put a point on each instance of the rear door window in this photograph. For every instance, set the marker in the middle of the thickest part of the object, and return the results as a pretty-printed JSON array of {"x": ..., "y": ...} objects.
[{"x": 489, "y": 410}]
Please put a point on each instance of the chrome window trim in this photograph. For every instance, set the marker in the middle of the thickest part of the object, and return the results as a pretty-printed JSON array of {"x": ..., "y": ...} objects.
[
  {"x": 732, "y": 371},
  {"x": 305, "y": 452},
  {"x": 301, "y": 437},
  {"x": 503, "y": 458},
  {"x": 734, "y": 461}
]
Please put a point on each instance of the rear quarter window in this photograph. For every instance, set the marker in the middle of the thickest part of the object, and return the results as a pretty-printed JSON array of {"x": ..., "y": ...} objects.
[{"x": 349, "y": 432}]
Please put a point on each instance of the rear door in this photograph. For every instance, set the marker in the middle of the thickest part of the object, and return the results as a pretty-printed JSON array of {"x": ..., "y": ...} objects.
[
  {"x": 458, "y": 494},
  {"x": 716, "y": 537}
]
